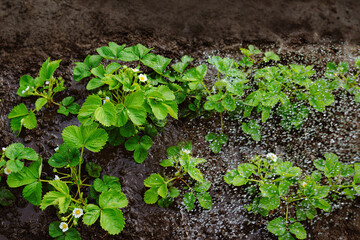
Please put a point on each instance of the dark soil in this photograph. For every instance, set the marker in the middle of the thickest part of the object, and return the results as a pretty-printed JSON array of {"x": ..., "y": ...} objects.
[{"x": 307, "y": 32}]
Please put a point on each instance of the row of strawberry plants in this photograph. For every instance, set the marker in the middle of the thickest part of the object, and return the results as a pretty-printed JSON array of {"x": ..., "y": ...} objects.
[{"x": 131, "y": 107}]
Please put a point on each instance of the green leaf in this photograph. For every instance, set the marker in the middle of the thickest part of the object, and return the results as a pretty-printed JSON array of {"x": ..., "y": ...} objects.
[
  {"x": 54, "y": 229},
  {"x": 113, "y": 198},
  {"x": 311, "y": 213},
  {"x": 204, "y": 200},
  {"x": 195, "y": 174},
  {"x": 156, "y": 62},
  {"x": 252, "y": 128},
  {"x": 270, "y": 203},
  {"x": 6, "y": 197},
  {"x": 93, "y": 169},
  {"x": 26, "y": 176},
  {"x": 300, "y": 214},
  {"x": 48, "y": 68},
  {"x": 94, "y": 83},
  {"x": 27, "y": 84},
  {"x": 254, "y": 98},
  {"x": 167, "y": 163},
  {"x": 277, "y": 226},
  {"x": 106, "y": 114},
  {"x": 155, "y": 180},
  {"x": 298, "y": 229},
  {"x": 72, "y": 234},
  {"x": 59, "y": 199},
  {"x": 270, "y": 99},
  {"x": 189, "y": 200},
  {"x": 134, "y": 106},
  {"x": 163, "y": 190},
  {"x": 17, "y": 151},
  {"x": 216, "y": 141},
  {"x": 60, "y": 186},
  {"x": 269, "y": 190},
  {"x": 202, "y": 186},
  {"x": 18, "y": 111},
  {"x": 140, "y": 146},
  {"x": 15, "y": 165},
  {"x": 239, "y": 181},
  {"x": 137, "y": 114},
  {"x": 66, "y": 155},
  {"x": 151, "y": 195},
  {"x": 100, "y": 186},
  {"x": 112, "y": 220},
  {"x": 121, "y": 116},
  {"x": 321, "y": 191},
  {"x": 195, "y": 74},
  {"x": 174, "y": 192},
  {"x": 180, "y": 66},
  {"x": 33, "y": 193},
  {"x": 40, "y": 102},
  {"x": 112, "y": 52},
  {"x": 286, "y": 236},
  {"x": 29, "y": 121},
  {"x": 85, "y": 136},
  {"x": 230, "y": 175},
  {"x": 357, "y": 173},
  {"x": 89, "y": 107},
  {"x": 82, "y": 69},
  {"x": 92, "y": 213},
  {"x": 133, "y": 53},
  {"x": 284, "y": 187},
  {"x": 271, "y": 56},
  {"x": 128, "y": 130},
  {"x": 112, "y": 182},
  {"x": 159, "y": 109},
  {"x": 229, "y": 103}
]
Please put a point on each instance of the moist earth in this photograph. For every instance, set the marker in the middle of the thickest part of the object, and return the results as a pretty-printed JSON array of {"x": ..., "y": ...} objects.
[{"x": 305, "y": 32}]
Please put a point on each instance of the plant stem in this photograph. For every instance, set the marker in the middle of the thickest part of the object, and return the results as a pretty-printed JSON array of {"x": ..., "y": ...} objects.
[
  {"x": 287, "y": 212},
  {"x": 186, "y": 183},
  {"x": 207, "y": 90},
  {"x": 42, "y": 180}
]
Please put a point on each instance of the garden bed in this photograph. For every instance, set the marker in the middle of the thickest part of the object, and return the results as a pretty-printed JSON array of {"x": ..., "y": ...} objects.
[{"x": 24, "y": 48}]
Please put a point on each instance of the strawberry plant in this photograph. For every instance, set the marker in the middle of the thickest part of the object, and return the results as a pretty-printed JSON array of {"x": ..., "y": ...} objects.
[
  {"x": 67, "y": 188},
  {"x": 132, "y": 106},
  {"x": 186, "y": 174},
  {"x": 274, "y": 183},
  {"x": 44, "y": 86}
]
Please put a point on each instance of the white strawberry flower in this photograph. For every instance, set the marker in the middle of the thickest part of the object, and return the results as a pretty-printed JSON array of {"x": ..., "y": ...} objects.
[
  {"x": 78, "y": 212},
  {"x": 186, "y": 151},
  {"x": 107, "y": 99},
  {"x": 56, "y": 149},
  {"x": 143, "y": 78},
  {"x": 135, "y": 69},
  {"x": 272, "y": 156},
  {"x": 64, "y": 226},
  {"x": 47, "y": 83},
  {"x": 7, "y": 171},
  {"x": 3, "y": 149},
  {"x": 56, "y": 177}
]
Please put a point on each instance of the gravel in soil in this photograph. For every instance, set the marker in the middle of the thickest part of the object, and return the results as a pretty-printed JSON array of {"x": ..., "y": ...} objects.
[{"x": 308, "y": 32}]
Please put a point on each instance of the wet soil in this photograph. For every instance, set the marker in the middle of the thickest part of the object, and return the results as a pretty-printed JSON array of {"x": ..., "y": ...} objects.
[{"x": 307, "y": 32}]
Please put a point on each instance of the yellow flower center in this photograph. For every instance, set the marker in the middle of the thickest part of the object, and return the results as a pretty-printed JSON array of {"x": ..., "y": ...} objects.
[
  {"x": 142, "y": 78},
  {"x": 63, "y": 226},
  {"x": 77, "y": 212},
  {"x": 7, "y": 170}
]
